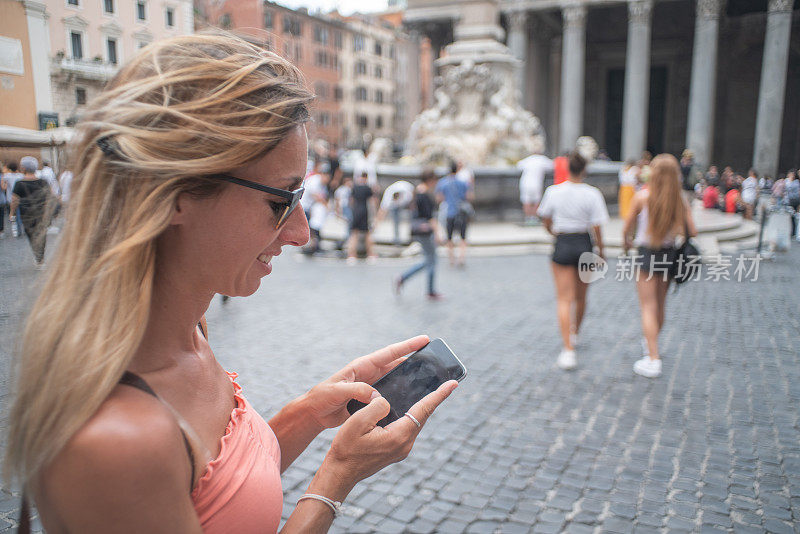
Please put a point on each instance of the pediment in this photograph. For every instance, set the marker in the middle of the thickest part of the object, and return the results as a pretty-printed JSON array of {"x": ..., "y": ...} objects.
[
  {"x": 143, "y": 35},
  {"x": 111, "y": 28},
  {"x": 76, "y": 21}
]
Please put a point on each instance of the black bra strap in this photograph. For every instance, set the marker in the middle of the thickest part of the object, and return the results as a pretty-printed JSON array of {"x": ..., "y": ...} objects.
[{"x": 136, "y": 381}]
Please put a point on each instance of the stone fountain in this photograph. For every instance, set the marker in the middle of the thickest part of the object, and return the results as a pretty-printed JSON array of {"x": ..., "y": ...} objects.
[{"x": 477, "y": 117}]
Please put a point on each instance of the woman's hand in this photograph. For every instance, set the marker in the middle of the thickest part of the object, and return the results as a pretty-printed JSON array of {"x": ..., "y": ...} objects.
[
  {"x": 327, "y": 401},
  {"x": 361, "y": 448}
]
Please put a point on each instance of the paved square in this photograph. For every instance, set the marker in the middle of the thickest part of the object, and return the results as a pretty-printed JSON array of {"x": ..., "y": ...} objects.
[{"x": 712, "y": 445}]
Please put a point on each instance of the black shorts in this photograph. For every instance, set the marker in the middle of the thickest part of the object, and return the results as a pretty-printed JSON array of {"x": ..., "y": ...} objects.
[
  {"x": 569, "y": 248},
  {"x": 656, "y": 261},
  {"x": 459, "y": 223}
]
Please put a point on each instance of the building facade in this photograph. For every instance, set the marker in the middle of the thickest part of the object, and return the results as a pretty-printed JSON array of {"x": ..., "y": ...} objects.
[
  {"x": 87, "y": 41},
  {"x": 18, "y": 105},
  {"x": 721, "y": 78},
  {"x": 352, "y": 64}
]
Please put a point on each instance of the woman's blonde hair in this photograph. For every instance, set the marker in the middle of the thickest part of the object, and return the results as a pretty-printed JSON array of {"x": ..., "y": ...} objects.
[
  {"x": 666, "y": 210},
  {"x": 181, "y": 110}
]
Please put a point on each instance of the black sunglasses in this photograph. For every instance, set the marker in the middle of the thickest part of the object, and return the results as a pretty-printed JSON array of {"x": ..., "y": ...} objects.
[{"x": 281, "y": 210}]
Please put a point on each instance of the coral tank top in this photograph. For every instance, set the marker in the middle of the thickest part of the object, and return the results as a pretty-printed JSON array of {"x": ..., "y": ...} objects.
[{"x": 241, "y": 489}]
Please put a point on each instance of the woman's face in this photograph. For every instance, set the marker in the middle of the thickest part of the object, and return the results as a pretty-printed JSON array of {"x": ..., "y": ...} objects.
[{"x": 238, "y": 238}]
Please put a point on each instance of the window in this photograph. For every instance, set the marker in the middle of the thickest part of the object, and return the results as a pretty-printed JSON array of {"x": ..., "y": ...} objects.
[
  {"x": 225, "y": 21},
  {"x": 324, "y": 119},
  {"x": 80, "y": 96},
  {"x": 141, "y": 13},
  {"x": 361, "y": 68},
  {"x": 141, "y": 44},
  {"x": 362, "y": 120},
  {"x": 378, "y": 48},
  {"x": 361, "y": 94},
  {"x": 379, "y": 96},
  {"x": 269, "y": 20},
  {"x": 338, "y": 94},
  {"x": 298, "y": 53},
  {"x": 108, "y": 6},
  {"x": 76, "y": 41},
  {"x": 378, "y": 72},
  {"x": 292, "y": 25},
  {"x": 321, "y": 89},
  {"x": 392, "y": 52},
  {"x": 111, "y": 49},
  {"x": 321, "y": 35},
  {"x": 338, "y": 41},
  {"x": 379, "y": 122},
  {"x": 170, "y": 17},
  {"x": 72, "y": 3},
  {"x": 358, "y": 43}
]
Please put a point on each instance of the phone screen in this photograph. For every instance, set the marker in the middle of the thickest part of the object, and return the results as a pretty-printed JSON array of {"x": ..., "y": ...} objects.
[{"x": 420, "y": 374}]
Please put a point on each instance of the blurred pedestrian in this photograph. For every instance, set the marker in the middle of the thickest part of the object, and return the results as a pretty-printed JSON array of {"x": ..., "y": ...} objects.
[
  {"x": 658, "y": 215},
  {"x": 457, "y": 196},
  {"x": 749, "y": 193},
  {"x": 36, "y": 202},
  {"x": 531, "y": 184},
  {"x": 362, "y": 202},
  {"x": 711, "y": 196},
  {"x": 395, "y": 201},
  {"x": 574, "y": 213},
  {"x": 628, "y": 178},
  {"x": 425, "y": 231},
  {"x": 792, "y": 195},
  {"x": 10, "y": 177}
]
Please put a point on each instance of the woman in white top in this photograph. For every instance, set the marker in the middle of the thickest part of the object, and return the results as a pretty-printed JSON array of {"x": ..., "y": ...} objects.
[
  {"x": 628, "y": 179},
  {"x": 658, "y": 213},
  {"x": 570, "y": 211}
]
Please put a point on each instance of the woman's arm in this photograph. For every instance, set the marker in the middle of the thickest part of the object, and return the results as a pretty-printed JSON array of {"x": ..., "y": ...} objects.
[
  {"x": 598, "y": 240},
  {"x": 548, "y": 225},
  {"x": 359, "y": 450},
  {"x": 690, "y": 222},
  {"x": 14, "y": 205},
  {"x": 126, "y": 470},
  {"x": 630, "y": 222}
]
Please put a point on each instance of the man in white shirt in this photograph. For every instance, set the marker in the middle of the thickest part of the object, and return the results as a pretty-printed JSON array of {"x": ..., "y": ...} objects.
[
  {"x": 395, "y": 200},
  {"x": 531, "y": 184}
]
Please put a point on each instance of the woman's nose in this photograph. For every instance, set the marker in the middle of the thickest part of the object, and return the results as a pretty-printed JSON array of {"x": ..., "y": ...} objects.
[{"x": 295, "y": 231}]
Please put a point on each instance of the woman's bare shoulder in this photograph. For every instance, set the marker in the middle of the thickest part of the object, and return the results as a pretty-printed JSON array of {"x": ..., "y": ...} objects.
[{"x": 128, "y": 460}]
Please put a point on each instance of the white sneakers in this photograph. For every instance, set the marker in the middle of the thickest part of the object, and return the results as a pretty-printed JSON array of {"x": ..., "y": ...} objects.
[
  {"x": 566, "y": 360},
  {"x": 647, "y": 367}
]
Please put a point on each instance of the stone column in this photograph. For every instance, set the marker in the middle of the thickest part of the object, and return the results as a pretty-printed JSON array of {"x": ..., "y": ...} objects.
[
  {"x": 518, "y": 44},
  {"x": 637, "y": 80},
  {"x": 573, "y": 59},
  {"x": 773, "y": 87},
  {"x": 700, "y": 131},
  {"x": 39, "y": 37}
]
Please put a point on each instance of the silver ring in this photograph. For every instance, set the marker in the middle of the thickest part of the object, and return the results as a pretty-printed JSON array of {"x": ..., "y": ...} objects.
[{"x": 413, "y": 419}]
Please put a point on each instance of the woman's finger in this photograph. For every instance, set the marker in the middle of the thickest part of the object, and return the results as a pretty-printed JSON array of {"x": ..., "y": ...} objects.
[
  {"x": 423, "y": 409},
  {"x": 366, "y": 418},
  {"x": 344, "y": 391},
  {"x": 368, "y": 368}
]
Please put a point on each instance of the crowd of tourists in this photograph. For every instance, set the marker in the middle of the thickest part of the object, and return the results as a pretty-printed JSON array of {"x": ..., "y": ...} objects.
[
  {"x": 329, "y": 192},
  {"x": 30, "y": 198}
]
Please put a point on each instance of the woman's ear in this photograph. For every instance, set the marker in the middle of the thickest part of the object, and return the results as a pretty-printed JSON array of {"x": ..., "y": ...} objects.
[{"x": 181, "y": 208}]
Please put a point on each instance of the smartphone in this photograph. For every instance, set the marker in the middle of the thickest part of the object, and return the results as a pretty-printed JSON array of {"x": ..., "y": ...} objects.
[{"x": 421, "y": 373}]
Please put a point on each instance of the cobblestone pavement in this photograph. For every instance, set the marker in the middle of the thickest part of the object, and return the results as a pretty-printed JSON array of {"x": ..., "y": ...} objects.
[{"x": 712, "y": 445}]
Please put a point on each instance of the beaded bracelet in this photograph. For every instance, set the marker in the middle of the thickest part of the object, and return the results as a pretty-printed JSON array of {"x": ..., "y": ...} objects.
[{"x": 333, "y": 505}]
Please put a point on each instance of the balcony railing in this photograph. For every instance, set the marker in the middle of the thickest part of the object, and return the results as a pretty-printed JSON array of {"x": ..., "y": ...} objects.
[{"x": 86, "y": 69}]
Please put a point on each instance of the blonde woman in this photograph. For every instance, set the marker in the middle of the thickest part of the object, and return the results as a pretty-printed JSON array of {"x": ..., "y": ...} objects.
[
  {"x": 187, "y": 172},
  {"x": 658, "y": 214}
]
